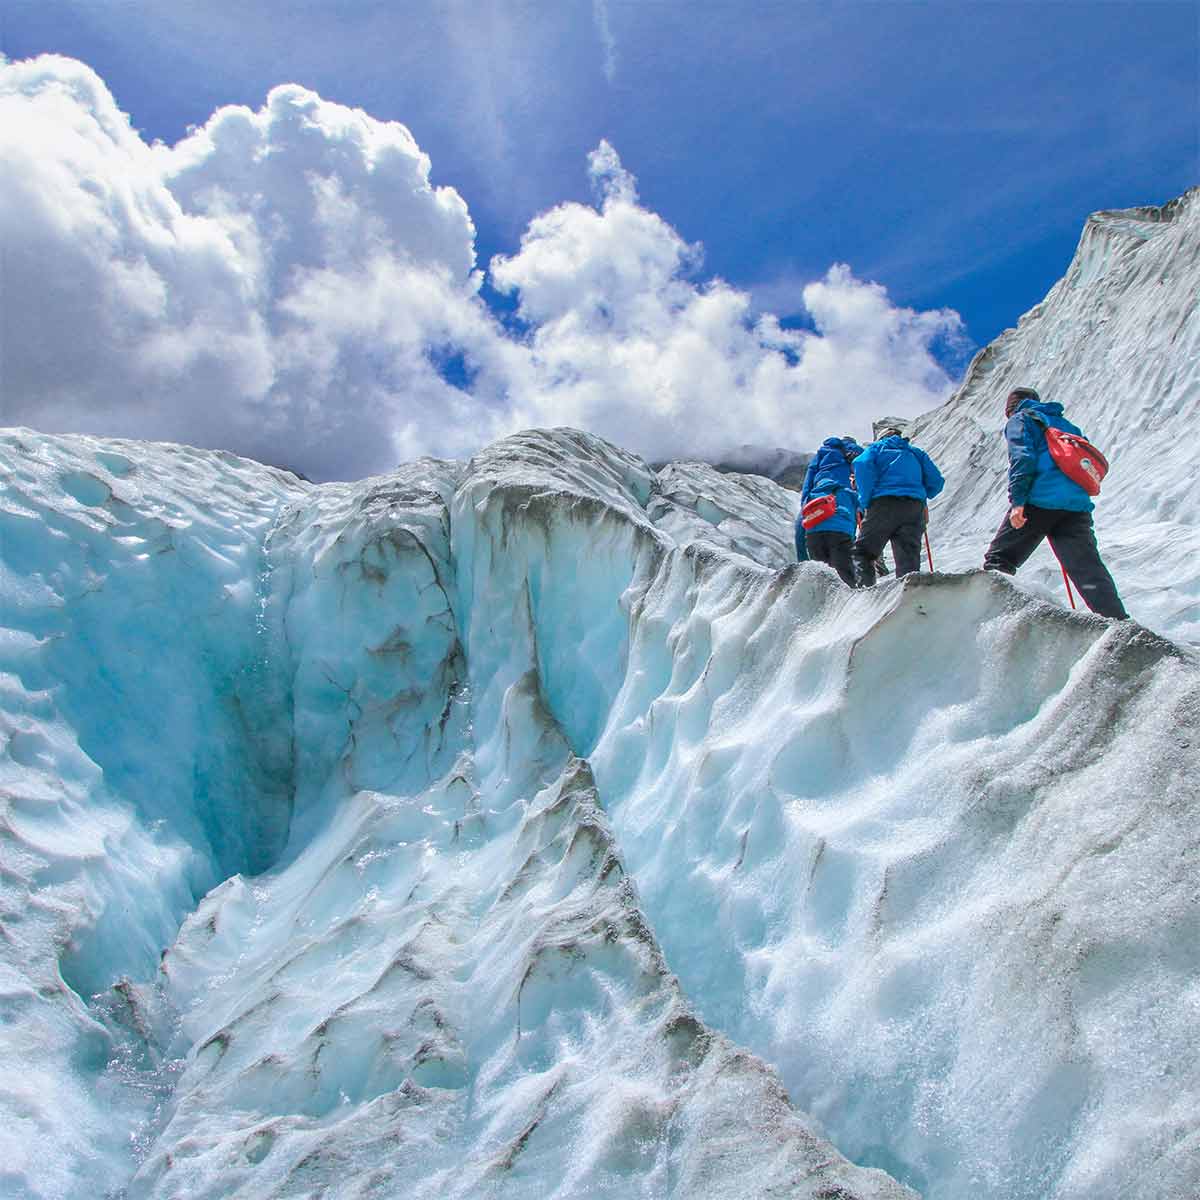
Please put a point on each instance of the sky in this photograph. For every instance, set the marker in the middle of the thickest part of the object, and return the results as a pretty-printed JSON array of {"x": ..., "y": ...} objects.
[{"x": 339, "y": 236}]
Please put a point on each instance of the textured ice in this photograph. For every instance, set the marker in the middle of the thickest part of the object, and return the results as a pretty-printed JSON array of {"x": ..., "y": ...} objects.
[
  {"x": 932, "y": 852},
  {"x": 529, "y": 827},
  {"x": 326, "y": 748},
  {"x": 742, "y": 513}
]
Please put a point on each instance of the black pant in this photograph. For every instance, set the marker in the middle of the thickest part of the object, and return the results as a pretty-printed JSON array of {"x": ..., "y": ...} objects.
[
  {"x": 834, "y": 549},
  {"x": 1073, "y": 541},
  {"x": 896, "y": 519}
]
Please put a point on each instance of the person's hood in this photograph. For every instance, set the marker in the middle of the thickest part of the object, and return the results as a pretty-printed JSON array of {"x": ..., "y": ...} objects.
[
  {"x": 893, "y": 441},
  {"x": 1047, "y": 408},
  {"x": 842, "y": 445}
]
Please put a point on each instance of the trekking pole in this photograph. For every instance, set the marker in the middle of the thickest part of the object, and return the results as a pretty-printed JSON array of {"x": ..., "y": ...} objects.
[
  {"x": 1066, "y": 578},
  {"x": 928, "y": 552},
  {"x": 1067, "y": 581}
]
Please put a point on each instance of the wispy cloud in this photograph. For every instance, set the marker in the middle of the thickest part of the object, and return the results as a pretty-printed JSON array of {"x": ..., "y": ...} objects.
[{"x": 607, "y": 42}]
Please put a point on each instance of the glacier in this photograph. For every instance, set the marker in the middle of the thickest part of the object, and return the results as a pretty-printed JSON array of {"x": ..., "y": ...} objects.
[{"x": 534, "y": 826}]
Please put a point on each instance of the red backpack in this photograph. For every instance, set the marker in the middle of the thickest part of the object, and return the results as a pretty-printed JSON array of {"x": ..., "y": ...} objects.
[{"x": 1074, "y": 456}]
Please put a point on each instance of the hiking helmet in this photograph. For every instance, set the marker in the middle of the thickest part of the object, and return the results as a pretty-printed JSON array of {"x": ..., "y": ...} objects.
[
  {"x": 1016, "y": 396},
  {"x": 892, "y": 432}
]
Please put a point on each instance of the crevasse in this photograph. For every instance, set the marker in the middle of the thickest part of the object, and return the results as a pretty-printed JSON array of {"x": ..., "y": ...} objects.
[{"x": 443, "y": 974}]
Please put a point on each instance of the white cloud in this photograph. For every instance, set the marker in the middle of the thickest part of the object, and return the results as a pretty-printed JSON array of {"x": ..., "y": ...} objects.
[
  {"x": 607, "y": 42},
  {"x": 625, "y": 343},
  {"x": 220, "y": 291},
  {"x": 284, "y": 283}
]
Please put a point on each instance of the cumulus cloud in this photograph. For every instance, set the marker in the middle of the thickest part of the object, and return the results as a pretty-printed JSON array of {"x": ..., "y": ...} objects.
[
  {"x": 273, "y": 283},
  {"x": 625, "y": 341},
  {"x": 288, "y": 283}
]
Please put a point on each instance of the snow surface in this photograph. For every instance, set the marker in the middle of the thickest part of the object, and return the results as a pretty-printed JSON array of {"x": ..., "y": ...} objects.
[{"x": 530, "y": 827}]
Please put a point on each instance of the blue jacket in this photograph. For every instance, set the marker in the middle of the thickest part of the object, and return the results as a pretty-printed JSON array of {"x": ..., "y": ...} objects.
[
  {"x": 1033, "y": 476},
  {"x": 829, "y": 472},
  {"x": 891, "y": 467}
]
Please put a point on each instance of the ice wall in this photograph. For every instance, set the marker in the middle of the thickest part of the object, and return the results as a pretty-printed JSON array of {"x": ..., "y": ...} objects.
[
  {"x": 932, "y": 852},
  {"x": 144, "y": 754},
  {"x": 1117, "y": 341},
  {"x": 427, "y": 970}
]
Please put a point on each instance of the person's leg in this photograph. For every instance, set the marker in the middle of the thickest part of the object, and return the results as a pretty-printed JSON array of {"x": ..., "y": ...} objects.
[
  {"x": 1073, "y": 540},
  {"x": 876, "y": 530},
  {"x": 906, "y": 539},
  {"x": 834, "y": 549},
  {"x": 818, "y": 546},
  {"x": 1011, "y": 548},
  {"x": 839, "y": 556}
]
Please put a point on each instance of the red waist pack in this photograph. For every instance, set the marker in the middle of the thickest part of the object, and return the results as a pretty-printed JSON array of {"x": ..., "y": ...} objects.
[{"x": 817, "y": 510}]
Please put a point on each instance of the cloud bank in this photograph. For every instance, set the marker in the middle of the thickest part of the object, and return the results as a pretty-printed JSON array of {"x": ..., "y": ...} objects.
[{"x": 288, "y": 283}]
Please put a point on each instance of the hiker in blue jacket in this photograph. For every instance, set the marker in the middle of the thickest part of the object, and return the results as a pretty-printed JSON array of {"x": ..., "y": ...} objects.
[
  {"x": 1044, "y": 503},
  {"x": 829, "y": 474},
  {"x": 895, "y": 483}
]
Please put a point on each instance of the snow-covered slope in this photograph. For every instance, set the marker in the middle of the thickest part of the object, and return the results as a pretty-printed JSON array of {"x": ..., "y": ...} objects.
[
  {"x": 510, "y": 830},
  {"x": 1117, "y": 341}
]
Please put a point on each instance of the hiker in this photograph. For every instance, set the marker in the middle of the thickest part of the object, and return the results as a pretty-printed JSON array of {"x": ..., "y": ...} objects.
[
  {"x": 828, "y": 474},
  {"x": 895, "y": 483},
  {"x": 1045, "y": 503}
]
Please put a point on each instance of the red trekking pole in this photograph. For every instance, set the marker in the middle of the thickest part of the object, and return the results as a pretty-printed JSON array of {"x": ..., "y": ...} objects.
[
  {"x": 1066, "y": 580},
  {"x": 928, "y": 552},
  {"x": 1066, "y": 577}
]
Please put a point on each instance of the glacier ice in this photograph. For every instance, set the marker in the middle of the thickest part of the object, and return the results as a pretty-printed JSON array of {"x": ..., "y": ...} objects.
[
  {"x": 523, "y": 827},
  {"x": 533, "y": 826},
  {"x": 323, "y": 746}
]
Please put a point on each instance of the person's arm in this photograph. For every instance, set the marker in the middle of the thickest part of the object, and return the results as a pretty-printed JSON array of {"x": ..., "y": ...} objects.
[
  {"x": 801, "y": 544},
  {"x": 931, "y": 477},
  {"x": 864, "y": 477},
  {"x": 1022, "y": 466},
  {"x": 1022, "y": 460},
  {"x": 809, "y": 476}
]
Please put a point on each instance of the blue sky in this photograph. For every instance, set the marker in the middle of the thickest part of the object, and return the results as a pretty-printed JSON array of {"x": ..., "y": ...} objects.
[{"x": 947, "y": 152}]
